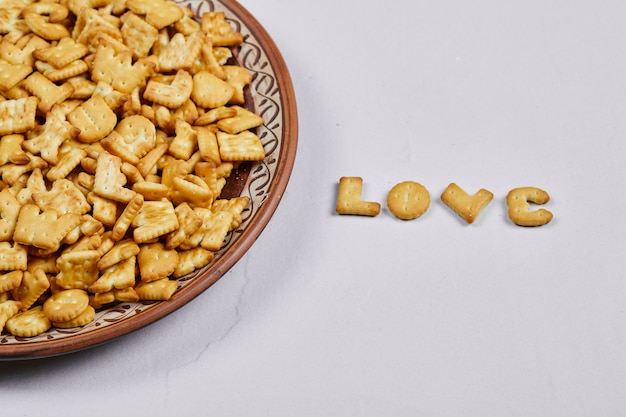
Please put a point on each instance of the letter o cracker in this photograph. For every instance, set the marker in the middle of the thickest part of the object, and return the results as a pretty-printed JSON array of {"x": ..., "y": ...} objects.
[
  {"x": 28, "y": 323},
  {"x": 408, "y": 200}
]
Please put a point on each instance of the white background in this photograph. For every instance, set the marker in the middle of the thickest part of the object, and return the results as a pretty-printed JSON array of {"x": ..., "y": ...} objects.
[{"x": 332, "y": 315}]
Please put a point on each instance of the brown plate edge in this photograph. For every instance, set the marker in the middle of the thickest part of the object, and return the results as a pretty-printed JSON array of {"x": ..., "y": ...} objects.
[{"x": 214, "y": 272}]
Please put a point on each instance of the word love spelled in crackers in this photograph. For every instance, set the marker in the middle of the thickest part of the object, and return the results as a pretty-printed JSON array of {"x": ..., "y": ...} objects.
[
  {"x": 120, "y": 122},
  {"x": 409, "y": 200}
]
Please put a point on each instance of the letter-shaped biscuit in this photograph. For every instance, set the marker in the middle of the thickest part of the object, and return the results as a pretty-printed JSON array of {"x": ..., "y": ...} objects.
[
  {"x": 519, "y": 209},
  {"x": 408, "y": 200},
  {"x": 349, "y": 198},
  {"x": 465, "y": 205}
]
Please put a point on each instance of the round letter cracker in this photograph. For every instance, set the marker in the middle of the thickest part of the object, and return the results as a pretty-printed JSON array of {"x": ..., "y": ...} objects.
[
  {"x": 86, "y": 317},
  {"x": 66, "y": 305},
  {"x": 408, "y": 200},
  {"x": 28, "y": 323}
]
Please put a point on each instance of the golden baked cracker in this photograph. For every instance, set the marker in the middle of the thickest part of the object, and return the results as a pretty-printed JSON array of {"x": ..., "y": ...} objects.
[
  {"x": 519, "y": 209},
  {"x": 45, "y": 19},
  {"x": 89, "y": 165},
  {"x": 83, "y": 87},
  {"x": 8, "y": 309},
  {"x": 10, "y": 280},
  {"x": 21, "y": 52},
  {"x": 113, "y": 98},
  {"x": 121, "y": 251},
  {"x": 103, "y": 209},
  {"x": 62, "y": 53},
  {"x": 18, "y": 115},
  {"x": 213, "y": 115},
  {"x": 178, "y": 52},
  {"x": 191, "y": 189},
  {"x": 91, "y": 27},
  {"x": 109, "y": 179},
  {"x": 155, "y": 219},
  {"x": 243, "y": 146},
  {"x": 192, "y": 259},
  {"x": 134, "y": 104},
  {"x": 171, "y": 95},
  {"x": 164, "y": 13},
  {"x": 156, "y": 261},
  {"x": 124, "y": 221},
  {"x": 11, "y": 173},
  {"x": 211, "y": 234},
  {"x": 115, "y": 295},
  {"x": 349, "y": 198},
  {"x": 13, "y": 256},
  {"x": 47, "y": 264},
  {"x": 149, "y": 161},
  {"x": 189, "y": 223},
  {"x": 138, "y": 34},
  {"x": 72, "y": 236},
  {"x": 188, "y": 112},
  {"x": 34, "y": 184},
  {"x": 66, "y": 304},
  {"x": 118, "y": 276},
  {"x": 47, "y": 140},
  {"x": 84, "y": 318},
  {"x": 94, "y": 118},
  {"x": 465, "y": 205},
  {"x": 221, "y": 32},
  {"x": 173, "y": 168},
  {"x": 73, "y": 69},
  {"x": 208, "y": 172},
  {"x": 239, "y": 78},
  {"x": 222, "y": 54},
  {"x": 187, "y": 24},
  {"x": 44, "y": 230},
  {"x": 11, "y": 150},
  {"x": 12, "y": 74},
  {"x": 152, "y": 190},
  {"x": 66, "y": 107},
  {"x": 77, "y": 269},
  {"x": 46, "y": 91},
  {"x": 28, "y": 323},
  {"x": 210, "y": 91},
  {"x": 69, "y": 160},
  {"x": 207, "y": 60},
  {"x": 9, "y": 210},
  {"x": 132, "y": 173},
  {"x": 185, "y": 142},
  {"x": 63, "y": 197},
  {"x": 218, "y": 227},
  {"x": 243, "y": 120},
  {"x": 119, "y": 70},
  {"x": 33, "y": 285},
  {"x": 12, "y": 25},
  {"x": 159, "y": 290},
  {"x": 133, "y": 137},
  {"x": 235, "y": 206},
  {"x": 408, "y": 200}
]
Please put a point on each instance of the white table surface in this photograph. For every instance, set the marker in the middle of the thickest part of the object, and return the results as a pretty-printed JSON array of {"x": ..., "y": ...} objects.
[{"x": 331, "y": 315}]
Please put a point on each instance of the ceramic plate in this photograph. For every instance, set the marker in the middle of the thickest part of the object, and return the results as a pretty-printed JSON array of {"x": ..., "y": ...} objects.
[{"x": 271, "y": 94}]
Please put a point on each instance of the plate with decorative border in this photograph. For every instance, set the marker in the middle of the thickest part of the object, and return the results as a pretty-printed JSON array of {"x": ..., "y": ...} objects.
[{"x": 271, "y": 95}]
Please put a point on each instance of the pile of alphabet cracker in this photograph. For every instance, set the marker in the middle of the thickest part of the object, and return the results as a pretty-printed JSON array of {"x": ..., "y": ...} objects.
[{"x": 120, "y": 121}]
